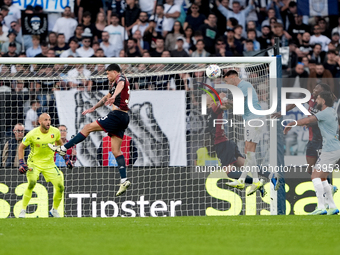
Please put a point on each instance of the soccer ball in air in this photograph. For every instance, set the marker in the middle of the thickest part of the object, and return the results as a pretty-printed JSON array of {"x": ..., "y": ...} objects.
[{"x": 213, "y": 71}]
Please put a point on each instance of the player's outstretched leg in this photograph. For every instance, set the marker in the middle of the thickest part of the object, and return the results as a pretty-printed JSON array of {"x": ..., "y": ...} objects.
[{"x": 124, "y": 182}]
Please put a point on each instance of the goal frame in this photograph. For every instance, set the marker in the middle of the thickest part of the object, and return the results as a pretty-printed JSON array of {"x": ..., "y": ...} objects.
[{"x": 274, "y": 77}]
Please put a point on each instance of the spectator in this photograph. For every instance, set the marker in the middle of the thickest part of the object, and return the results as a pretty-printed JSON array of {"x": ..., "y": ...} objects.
[
  {"x": 159, "y": 47},
  {"x": 287, "y": 14},
  {"x": 99, "y": 53},
  {"x": 130, "y": 15},
  {"x": 72, "y": 51},
  {"x": 102, "y": 82},
  {"x": 220, "y": 48},
  {"x": 271, "y": 14},
  {"x": 61, "y": 45},
  {"x": 86, "y": 51},
  {"x": 331, "y": 63},
  {"x": 298, "y": 29},
  {"x": 179, "y": 51},
  {"x": 200, "y": 51},
  {"x": 317, "y": 54},
  {"x": 171, "y": 38},
  {"x": 141, "y": 24},
  {"x": 320, "y": 75},
  {"x": 279, "y": 32},
  {"x": 79, "y": 78},
  {"x": 249, "y": 48},
  {"x": 195, "y": 19},
  {"x": 10, "y": 149},
  {"x": 222, "y": 23},
  {"x": 78, "y": 34},
  {"x": 14, "y": 13},
  {"x": 92, "y": 6},
  {"x": 188, "y": 42},
  {"x": 132, "y": 48},
  {"x": 298, "y": 79},
  {"x": 52, "y": 40},
  {"x": 233, "y": 47},
  {"x": 209, "y": 32},
  {"x": 319, "y": 38},
  {"x": 44, "y": 50},
  {"x": 26, "y": 39},
  {"x": 251, "y": 35},
  {"x": 305, "y": 62},
  {"x": 31, "y": 120},
  {"x": 109, "y": 49},
  {"x": 335, "y": 41},
  {"x": 264, "y": 39},
  {"x": 11, "y": 39},
  {"x": 252, "y": 25},
  {"x": 158, "y": 18},
  {"x": 323, "y": 28},
  {"x": 140, "y": 42},
  {"x": 66, "y": 25},
  {"x": 12, "y": 48},
  {"x": 171, "y": 12},
  {"x": 305, "y": 48},
  {"x": 117, "y": 33},
  {"x": 72, "y": 152},
  {"x": 150, "y": 36},
  {"x": 311, "y": 65},
  {"x": 236, "y": 13},
  {"x": 50, "y": 53},
  {"x": 293, "y": 58},
  {"x": 238, "y": 34},
  {"x": 99, "y": 27},
  {"x": 35, "y": 50},
  {"x": 3, "y": 36},
  {"x": 88, "y": 24}
]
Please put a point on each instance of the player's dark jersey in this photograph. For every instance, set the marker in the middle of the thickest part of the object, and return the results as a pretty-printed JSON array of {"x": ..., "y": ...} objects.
[
  {"x": 217, "y": 132},
  {"x": 122, "y": 99},
  {"x": 314, "y": 131}
]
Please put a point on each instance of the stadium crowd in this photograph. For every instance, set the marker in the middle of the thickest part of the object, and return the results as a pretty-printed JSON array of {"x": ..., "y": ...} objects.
[{"x": 146, "y": 28}]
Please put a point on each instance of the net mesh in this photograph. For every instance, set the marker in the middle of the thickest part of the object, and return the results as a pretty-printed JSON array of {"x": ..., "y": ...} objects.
[{"x": 161, "y": 145}]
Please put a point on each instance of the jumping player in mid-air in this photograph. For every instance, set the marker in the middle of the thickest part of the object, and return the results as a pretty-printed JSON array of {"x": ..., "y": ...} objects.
[{"x": 114, "y": 123}]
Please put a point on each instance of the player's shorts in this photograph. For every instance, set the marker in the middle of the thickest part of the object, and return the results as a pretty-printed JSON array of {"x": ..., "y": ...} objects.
[
  {"x": 313, "y": 148},
  {"x": 254, "y": 133},
  {"x": 51, "y": 174},
  {"x": 327, "y": 161},
  {"x": 115, "y": 123},
  {"x": 227, "y": 152}
]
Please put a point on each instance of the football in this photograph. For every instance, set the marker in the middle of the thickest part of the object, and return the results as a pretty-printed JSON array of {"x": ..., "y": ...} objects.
[{"x": 213, "y": 71}]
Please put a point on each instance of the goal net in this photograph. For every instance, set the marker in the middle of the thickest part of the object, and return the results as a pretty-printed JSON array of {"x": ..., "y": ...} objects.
[{"x": 162, "y": 145}]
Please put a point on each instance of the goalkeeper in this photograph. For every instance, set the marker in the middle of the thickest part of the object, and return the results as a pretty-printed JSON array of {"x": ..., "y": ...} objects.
[{"x": 41, "y": 160}]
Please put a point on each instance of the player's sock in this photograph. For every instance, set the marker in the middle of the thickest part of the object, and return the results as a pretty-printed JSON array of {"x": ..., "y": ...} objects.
[
  {"x": 329, "y": 179},
  {"x": 328, "y": 195},
  {"x": 122, "y": 168},
  {"x": 27, "y": 197},
  {"x": 75, "y": 140},
  {"x": 319, "y": 191}
]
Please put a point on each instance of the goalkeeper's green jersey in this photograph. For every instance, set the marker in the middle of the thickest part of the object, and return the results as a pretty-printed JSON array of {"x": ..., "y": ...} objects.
[{"x": 41, "y": 155}]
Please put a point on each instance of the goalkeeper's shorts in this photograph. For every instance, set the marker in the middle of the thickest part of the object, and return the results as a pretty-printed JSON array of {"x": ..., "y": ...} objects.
[
  {"x": 115, "y": 123},
  {"x": 227, "y": 152},
  {"x": 50, "y": 173}
]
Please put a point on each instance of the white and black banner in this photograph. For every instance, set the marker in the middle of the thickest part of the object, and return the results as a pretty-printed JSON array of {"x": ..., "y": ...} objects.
[{"x": 157, "y": 125}]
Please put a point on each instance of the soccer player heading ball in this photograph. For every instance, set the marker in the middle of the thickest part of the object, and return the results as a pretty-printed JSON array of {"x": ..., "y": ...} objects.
[
  {"x": 41, "y": 160},
  {"x": 114, "y": 123}
]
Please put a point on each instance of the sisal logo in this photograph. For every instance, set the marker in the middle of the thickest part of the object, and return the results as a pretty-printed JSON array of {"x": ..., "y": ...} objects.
[{"x": 239, "y": 102}]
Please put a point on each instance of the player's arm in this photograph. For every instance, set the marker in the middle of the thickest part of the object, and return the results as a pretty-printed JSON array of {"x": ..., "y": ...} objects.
[
  {"x": 99, "y": 104},
  {"x": 118, "y": 89},
  {"x": 288, "y": 108},
  {"x": 302, "y": 122},
  {"x": 23, "y": 168},
  {"x": 226, "y": 103}
]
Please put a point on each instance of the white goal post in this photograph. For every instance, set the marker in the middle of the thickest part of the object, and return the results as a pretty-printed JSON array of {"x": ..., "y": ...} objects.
[{"x": 165, "y": 132}]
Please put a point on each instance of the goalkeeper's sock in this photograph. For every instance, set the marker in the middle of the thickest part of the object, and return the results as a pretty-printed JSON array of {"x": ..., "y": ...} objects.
[
  {"x": 121, "y": 166},
  {"x": 27, "y": 197},
  {"x": 329, "y": 179},
  {"x": 328, "y": 195},
  {"x": 319, "y": 191},
  {"x": 75, "y": 140}
]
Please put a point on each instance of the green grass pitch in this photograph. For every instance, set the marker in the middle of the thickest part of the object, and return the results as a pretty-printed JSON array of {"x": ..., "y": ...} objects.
[{"x": 178, "y": 235}]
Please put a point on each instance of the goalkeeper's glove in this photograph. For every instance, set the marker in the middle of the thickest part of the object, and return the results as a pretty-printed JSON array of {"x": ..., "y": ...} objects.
[
  {"x": 68, "y": 162},
  {"x": 23, "y": 168}
]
